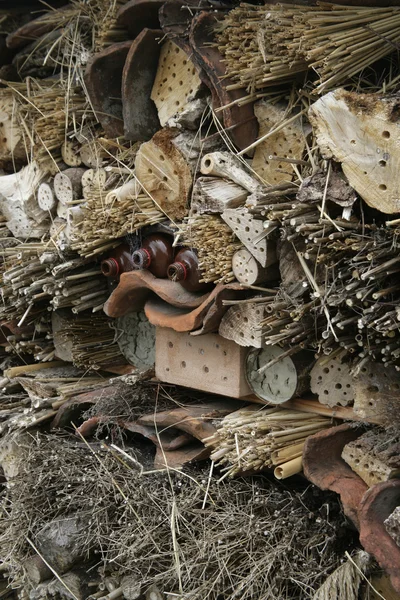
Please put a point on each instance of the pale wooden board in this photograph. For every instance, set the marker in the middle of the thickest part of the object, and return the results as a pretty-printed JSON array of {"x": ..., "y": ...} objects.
[
  {"x": 210, "y": 362},
  {"x": 361, "y": 131},
  {"x": 288, "y": 143},
  {"x": 176, "y": 81},
  {"x": 247, "y": 228}
]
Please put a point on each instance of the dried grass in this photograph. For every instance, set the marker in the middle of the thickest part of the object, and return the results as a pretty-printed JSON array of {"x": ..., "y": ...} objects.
[{"x": 194, "y": 538}]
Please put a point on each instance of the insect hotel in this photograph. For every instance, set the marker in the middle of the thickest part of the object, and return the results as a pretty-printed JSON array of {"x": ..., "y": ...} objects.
[{"x": 200, "y": 300}]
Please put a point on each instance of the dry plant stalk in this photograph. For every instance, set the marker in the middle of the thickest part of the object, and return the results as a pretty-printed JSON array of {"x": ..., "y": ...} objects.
[
  {"x": 44, "y": 111},
  {"x": 230, "y": 530},
  {"x": 272, "y": 44},
  {"x": 251, "y": 439},
  {"x": 215, "y": 244},
  {"x": 94, "y": 342}
]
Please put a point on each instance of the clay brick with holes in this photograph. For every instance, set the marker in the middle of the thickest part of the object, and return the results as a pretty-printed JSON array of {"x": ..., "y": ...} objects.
[{"x": 207, "y": 362}]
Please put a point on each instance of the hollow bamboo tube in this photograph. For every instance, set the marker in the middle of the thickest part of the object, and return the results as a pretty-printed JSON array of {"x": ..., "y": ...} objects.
[
  {"x": 290, "y": 468},
  {"x": 15, "y": 371}
]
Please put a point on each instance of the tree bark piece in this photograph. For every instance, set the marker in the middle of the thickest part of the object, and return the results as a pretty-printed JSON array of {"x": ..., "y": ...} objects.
[
  {"x": 332, "y": 381},
  {"x": 360, "y": 131},
  {"x": 141, "y": 121},
  {"x": 214, "y": 195},
  {"x": 68, "y": 185},
  {"x": 164, "y": 174},
  {"x": 376, "y": 394},
  {"x": 103, "y": 81},
  {"x": 249, "y": 272},
  {"x": 288, "y": 143},
  {"x": 176, "y": 82},
  {"x": 248, "y": 230}
]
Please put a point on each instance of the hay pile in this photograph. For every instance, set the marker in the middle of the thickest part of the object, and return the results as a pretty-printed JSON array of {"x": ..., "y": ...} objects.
[{"x": 184, "y": 532}]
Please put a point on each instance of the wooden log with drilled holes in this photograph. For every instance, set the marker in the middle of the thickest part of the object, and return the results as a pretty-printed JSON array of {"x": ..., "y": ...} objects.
[
  {"x": 68, "y": 185},
  {"x": 164, "y": 174},
  {"x": 249, "y": 271},
  {"x": 360, "y": 131}
]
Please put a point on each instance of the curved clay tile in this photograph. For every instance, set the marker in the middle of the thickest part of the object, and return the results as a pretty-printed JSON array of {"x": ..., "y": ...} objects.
[
  {"x": 200, "y": 320},
  {"x": 377, "y": 504},
  {"x": 139, "y": 111},
  {"x": 103, "y": 79},
  {"x": 136, "y": 15},
  {"x": 324, "y": 466},
  {"x": 240, "y": 121},
  {"x": 135, "y": 288}
]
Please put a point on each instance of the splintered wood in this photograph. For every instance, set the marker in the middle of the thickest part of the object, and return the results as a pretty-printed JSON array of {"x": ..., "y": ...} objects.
[
  {"x": 215, "y": 244},
  {"x": 252, "y": 439},
  {"x": 164, "y": 174}
]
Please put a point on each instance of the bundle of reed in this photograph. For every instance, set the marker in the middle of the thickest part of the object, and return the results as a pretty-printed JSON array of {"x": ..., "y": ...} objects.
[
  {"x": 45, "y": 111},
  {"x": 252, "y": 439},
  {"x": 270, "y": 44},
  {"x": 106, "y": 30},
  {"x": 110, "y": 215},
  {"x": 35, "y": 275},
  {"x": 94, "y": 341},
  {"x": 215, "y": 244}
]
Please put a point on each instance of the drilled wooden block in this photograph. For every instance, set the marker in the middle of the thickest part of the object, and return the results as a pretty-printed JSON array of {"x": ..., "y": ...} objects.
[
  {"x": 374, "y": 456},
  {"x": 207, "y": 362}
]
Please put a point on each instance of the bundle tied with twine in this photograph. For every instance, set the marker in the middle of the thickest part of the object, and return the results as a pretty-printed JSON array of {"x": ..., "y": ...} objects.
[
  {"x": 272, "y": 44},
  {"x": 252, "y": 439}
]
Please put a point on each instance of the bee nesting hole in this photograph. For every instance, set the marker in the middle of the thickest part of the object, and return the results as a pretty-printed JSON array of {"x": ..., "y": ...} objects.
[{"x": 332, "y": 382}]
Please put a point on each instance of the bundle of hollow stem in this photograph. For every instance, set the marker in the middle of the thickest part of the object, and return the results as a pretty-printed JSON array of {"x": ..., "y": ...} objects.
[
  {"x": 215, "y": 244},
  {"x": 109, "y": 215},
  {"x": 45, "y": 110},
  {"x": 252, "y": 439},
  {"x": 94, "y": 341},
  {"x": 270, "y": 44}
]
